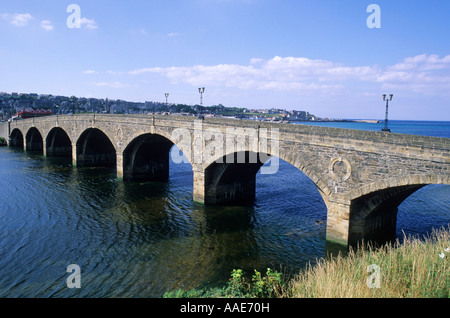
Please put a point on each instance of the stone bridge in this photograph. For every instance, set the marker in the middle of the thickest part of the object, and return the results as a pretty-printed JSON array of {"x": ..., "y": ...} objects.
[{"x": 362, "y": 176}]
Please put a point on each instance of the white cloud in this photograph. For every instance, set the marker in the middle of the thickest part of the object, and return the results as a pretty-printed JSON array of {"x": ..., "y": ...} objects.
[
  {"x": 422, "y": 73},
  {"x": 23, "y": 19},
  {"x": 426, "y": 74},
  {"x": 256, "y": 60},
  {"x": 110, "y": 84},
  {"x": 276, "y": 74},
  {"x": 422, "y": 62},
  {"x": 110, "y": 72},
  {"x": 89, "y": 24},
  {"x": 89, "y": 72},
  {"x": 47, "y": 25},
  {"x": 143, "y": 70},
  {"x": 17, "y": 19}
]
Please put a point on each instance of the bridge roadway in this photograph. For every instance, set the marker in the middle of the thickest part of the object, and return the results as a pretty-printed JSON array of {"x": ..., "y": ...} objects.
[{"x": 362, "y": 176}]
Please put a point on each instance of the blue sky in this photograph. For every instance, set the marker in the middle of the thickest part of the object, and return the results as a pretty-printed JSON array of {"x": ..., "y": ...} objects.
[{"x": 313, "y": 55}]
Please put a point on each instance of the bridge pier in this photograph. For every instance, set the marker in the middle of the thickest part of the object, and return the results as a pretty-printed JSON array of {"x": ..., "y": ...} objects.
[
  {"x": 44, "y": 148},
  {"x": 373, "y": 217},
  {"x": 199, "y": 184},
  {"x": 230, "y": 180},
  {"x": 343, "y": 229},
  {"x": 74, "y": 156},
  {"x": 119, "y": 162},
  {"x": 338, "y": 222},
  {"x": 377, "y": 228}
]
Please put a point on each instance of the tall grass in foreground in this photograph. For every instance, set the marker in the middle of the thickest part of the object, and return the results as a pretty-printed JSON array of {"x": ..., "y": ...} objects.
[{"x": 414, "y": 269}]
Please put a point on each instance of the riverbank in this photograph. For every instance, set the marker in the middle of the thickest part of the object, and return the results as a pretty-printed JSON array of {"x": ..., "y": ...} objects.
[
  {"x": 417, "y": 268},
  {"x": 414, "y": 269}
]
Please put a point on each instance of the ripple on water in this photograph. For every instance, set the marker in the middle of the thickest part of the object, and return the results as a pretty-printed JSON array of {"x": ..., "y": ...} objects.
[{"x": 141, "y": 239}]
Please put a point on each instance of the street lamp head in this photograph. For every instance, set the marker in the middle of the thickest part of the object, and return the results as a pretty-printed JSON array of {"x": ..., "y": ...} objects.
[
  {"x": 384, "y": 96},
  {"x": 390, "y": 96},
  {"x": 201, "y": 90}
]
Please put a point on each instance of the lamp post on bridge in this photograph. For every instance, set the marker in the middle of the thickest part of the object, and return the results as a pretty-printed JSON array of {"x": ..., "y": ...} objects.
[
  {"x": 167, "y": 96},
  {"x": 201, "y": 90},
  {"x": 386, "y": 129}
]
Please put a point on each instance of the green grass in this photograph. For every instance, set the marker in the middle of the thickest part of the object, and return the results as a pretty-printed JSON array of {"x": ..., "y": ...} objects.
[
  {"x": 413, "y": 269},
  {"x": 417, "y": 268},
  {"x": 260, "y": 286}
]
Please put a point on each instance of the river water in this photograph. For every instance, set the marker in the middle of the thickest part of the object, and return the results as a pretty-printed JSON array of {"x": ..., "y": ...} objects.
[{"x": 133, "y": 239}]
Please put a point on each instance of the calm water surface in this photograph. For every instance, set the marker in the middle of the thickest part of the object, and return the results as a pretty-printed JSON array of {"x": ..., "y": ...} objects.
[{"x": 134, "y": 239}]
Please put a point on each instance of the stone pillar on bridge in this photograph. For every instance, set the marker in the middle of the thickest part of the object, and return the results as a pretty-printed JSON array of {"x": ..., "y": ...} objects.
[
  {"x": 119, "y": 164},
  {"x": 44, "y": 148},
  {"x": 338, "y": 222},
  {"x": 225, "y": 183},
  {"x": 74, "y": 155},
  {"x": 199, "y": 184}
]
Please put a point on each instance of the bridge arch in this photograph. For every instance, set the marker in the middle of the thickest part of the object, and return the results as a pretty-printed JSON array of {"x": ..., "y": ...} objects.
[
  {"x": 147, "y": 157},
  {"x": 16, "y": 138},
  {"x": 34, "y": 140},
  {"x": 387, "y": 183},
  {"x": 58, "y": 143},
  {"x": 94, "y": 148},
  {"x": 229, "y": 179},
  {"x": 232, "y": 178},
  {"x": 373, "y": 208}
]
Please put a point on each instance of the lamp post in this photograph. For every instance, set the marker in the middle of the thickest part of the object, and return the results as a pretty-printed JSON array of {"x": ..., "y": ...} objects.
[
  {"x": 387, "y": 110},
  {"x": 201, "y": 90},
  {"x": 167, "y": 96}
]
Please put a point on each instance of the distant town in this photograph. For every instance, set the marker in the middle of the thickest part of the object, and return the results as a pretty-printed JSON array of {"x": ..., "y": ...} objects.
[{"x": 13, "y": 103}]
